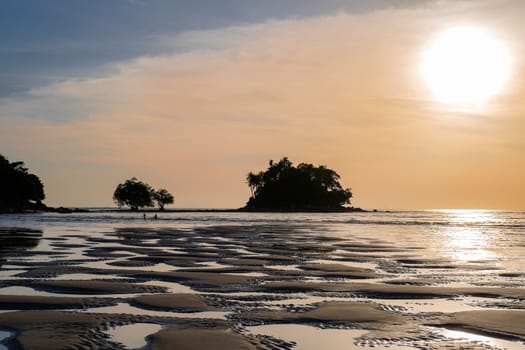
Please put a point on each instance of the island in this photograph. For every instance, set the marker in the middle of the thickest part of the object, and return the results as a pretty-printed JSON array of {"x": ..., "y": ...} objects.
[{"x": 305, "y": 187}]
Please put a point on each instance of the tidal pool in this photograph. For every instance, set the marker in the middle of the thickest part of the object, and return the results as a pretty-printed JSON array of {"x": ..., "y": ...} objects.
[
  {"x": 133, "y": 336},
  {"x": 313, "y": 338},
  {"x": 482, "y": 339},
  {"x": 124, "y": 308},
  {"x": 3, "y": 336}
]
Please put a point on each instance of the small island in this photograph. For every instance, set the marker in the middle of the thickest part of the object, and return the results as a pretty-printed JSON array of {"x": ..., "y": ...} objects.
[{"x": 305, "y": 187}]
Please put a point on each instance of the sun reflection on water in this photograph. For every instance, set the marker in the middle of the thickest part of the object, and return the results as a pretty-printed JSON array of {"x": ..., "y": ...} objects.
[
  {"x": 471, "y": 216},
  {"x": 490, "y": 342},
  {"x": 467, "y": 238}
]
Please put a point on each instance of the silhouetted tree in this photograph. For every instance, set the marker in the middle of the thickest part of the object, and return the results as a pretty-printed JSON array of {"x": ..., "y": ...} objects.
[
  {"x": 19, "y": 190},
  {"x": 254, "y": 181},
  {"x": 305, "y": 187},
  {"x": 134, "y": 194},
  {"x": 162, "y": 197}
]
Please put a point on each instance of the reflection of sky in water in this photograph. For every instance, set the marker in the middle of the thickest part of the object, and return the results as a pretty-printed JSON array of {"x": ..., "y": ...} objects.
[
  {"x": 355, "y": 264},
  {"x": 173, "y": 287},
  {"x": 4, "y": 335},
  {"x": 85, "y": 276},
  {"x": 9, "y": 273},
  {"x": 484, "y": 235},
  {"x": 312, "y": 338},
  {"x": 468, "y": 244},
  {"x": 124, "y": 308},
  {"x": 20, "y": 290},
  {"x": 463, "y": 216},
  {"x": 415, "y": 306},
  {"x": 459, "y": 236},
  {"x": 133, "y": 336},
  {"x": 106, "y": 265},
  {"x": 477, "y": 338}
]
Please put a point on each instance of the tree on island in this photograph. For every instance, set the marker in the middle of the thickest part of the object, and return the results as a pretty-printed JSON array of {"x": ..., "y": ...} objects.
[
  {"x": 19, "y": 189},
  {"x": 162, "y": 197},
  {"x": 305, "y": 187},
  {"x": 137, "y": 194},
  {"x": 134, "y": 194}
]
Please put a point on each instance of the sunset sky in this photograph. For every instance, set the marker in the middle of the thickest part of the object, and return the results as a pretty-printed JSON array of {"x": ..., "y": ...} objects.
[{"x": 192, "y": 95}]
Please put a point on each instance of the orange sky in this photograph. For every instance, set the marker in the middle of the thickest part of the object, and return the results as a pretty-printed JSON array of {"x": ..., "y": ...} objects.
[{"x": 341, "y": 90}]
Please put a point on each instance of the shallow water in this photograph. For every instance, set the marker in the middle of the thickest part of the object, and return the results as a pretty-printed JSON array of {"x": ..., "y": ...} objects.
[
  {"x": 313, "y": 338},
  {"x": 427, "y": 248},
  {"x": 9, "y": 273},
  {"x": 19, "y": 290},
  {"x": 133, "y": 336},
  {"x": 3, "y": 336},
  {"x": 83, "y": 276},
  {"x": 172, "y": 287},
  {"x": 436, "y": 305},
  {"x": 481, "y": 339},
  {"x": 362, "y": 265},
  {"x": 123, "y": 308}
]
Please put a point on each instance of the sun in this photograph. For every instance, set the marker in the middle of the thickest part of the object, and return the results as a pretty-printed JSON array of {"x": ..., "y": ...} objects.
[{"x": 465, "y": 65}]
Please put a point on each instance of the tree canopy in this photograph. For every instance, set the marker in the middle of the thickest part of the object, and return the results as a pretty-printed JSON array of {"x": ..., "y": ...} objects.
[
  {"x": 134, "y": 194},
  {"x": 137, "y": 194},
  {"x": 162, "y": 197},
  {"x": 305, "y": 187},
  {"x": 19, "y": 189}
]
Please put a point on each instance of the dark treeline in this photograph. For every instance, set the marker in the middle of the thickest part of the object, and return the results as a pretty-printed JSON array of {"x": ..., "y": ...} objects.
[
  {"x": 305, "y": 187},
  {"x": 281, "y": 187},
  {"x": 19, "y": 189}
]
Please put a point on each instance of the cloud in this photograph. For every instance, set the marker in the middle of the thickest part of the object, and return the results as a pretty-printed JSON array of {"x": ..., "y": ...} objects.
[
  {"x": 341, "y": 90},
  {"x": 48, "y": 42}
]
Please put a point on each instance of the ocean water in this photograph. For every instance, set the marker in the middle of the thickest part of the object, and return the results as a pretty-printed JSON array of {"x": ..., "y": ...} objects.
[
  {"x": 451, "y": 248},
  {"x": 462, "y": 235},
  {"x": 427, "y": 220}
]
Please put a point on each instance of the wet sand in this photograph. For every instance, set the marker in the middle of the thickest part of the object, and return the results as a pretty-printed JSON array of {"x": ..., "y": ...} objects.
[{"x": 51, "y": 288}]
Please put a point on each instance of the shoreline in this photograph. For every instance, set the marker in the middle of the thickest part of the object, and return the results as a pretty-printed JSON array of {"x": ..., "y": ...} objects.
[
  {"x": 217, "y": 283},
  {"x": 64, "y": 210}
]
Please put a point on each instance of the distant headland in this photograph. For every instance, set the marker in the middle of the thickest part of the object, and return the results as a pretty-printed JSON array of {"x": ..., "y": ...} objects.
[{"x": 20, "y": 191}]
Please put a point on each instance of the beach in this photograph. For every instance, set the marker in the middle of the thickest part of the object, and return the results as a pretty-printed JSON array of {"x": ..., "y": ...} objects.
[{"x": 399, "y": 280}]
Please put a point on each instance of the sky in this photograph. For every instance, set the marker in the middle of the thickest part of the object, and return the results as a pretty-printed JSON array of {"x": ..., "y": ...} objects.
[{"x": 192, "y": 95}]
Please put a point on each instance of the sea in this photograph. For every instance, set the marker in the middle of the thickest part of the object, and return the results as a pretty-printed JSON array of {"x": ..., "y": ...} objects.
[
  {"x": 453, "y": 247},
  {"x": 454, "y": 234}
]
